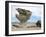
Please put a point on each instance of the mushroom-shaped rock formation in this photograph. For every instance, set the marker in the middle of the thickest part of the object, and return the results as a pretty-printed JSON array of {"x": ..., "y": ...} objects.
[{"x": 24, "y": 15}]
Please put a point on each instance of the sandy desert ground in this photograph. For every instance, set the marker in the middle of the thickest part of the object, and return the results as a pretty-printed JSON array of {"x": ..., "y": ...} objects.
[{"x": 25, "y": 27}]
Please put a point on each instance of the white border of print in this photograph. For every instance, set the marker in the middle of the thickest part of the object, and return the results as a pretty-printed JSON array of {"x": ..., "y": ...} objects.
[{"x": 22, "y": 32}]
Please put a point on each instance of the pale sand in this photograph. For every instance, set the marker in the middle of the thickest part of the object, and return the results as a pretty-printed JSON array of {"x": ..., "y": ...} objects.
[{"x": 25, "y": 27}]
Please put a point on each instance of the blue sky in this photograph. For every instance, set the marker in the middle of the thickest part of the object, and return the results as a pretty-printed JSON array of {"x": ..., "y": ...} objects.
[
  {"x": 36, "y": 13},
  {"x": 34, "y": 19}
]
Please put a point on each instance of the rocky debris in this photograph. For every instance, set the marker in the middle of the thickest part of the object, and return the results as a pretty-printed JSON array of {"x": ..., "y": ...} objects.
[
  {"x": 38, "y": 23},
  {"x": 25, "y": 25}
]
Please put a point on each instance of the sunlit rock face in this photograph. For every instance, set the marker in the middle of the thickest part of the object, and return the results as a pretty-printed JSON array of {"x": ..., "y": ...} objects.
[{"x": 24, "y": 15}]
